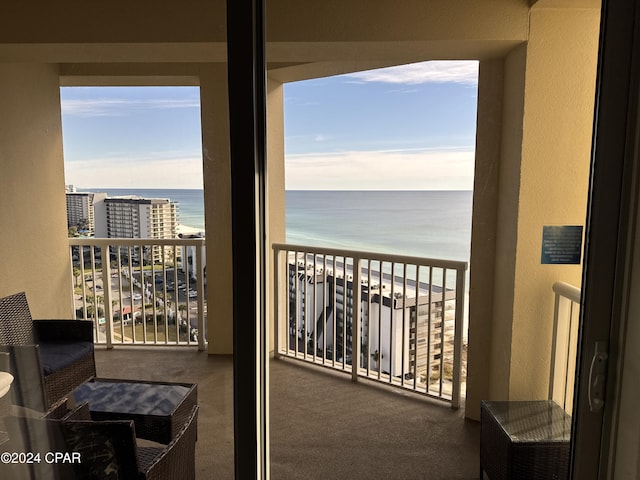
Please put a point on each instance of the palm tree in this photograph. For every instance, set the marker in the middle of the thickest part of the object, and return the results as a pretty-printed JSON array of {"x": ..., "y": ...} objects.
[{"x": 76, "y": 273}]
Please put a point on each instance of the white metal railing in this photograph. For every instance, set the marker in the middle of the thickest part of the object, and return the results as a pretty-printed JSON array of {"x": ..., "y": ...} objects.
[
  {"x": 141, "y": 291},
  {"x": 402, "y": 326},
  {"x": 564, "y": 344}
]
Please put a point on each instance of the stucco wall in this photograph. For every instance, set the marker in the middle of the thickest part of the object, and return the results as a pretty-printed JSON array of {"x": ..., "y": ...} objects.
[
  {"x": 217, "y": 206},
  {"x": 33, "y": 239},
  {"x": 543, "y": 129},
  {"x": 507, "y": 217},
  {"x": 554, "y": 174},
  {"x": 276, "y": 201},
  {"x": 484, "y": 226}
]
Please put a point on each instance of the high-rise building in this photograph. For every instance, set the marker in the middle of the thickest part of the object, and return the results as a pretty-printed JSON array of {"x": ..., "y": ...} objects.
[
  {"x": 80, "y": 210},
  {"x": 321, "y": 309},
  {"x": 137, "y": 217}
]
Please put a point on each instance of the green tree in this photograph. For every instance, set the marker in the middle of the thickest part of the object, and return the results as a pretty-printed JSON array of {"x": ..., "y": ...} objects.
[{"x": 76, "y": 273}]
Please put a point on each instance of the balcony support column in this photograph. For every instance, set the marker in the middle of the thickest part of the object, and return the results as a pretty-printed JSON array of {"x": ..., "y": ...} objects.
[
  {"x": 217, "y": 201},
  {"x": 34, "y": 250},
  {"x": 275, "y": 198}
]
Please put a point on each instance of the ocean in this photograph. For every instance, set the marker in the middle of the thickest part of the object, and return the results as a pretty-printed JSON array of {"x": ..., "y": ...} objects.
[{"x": 434, "y": 224}]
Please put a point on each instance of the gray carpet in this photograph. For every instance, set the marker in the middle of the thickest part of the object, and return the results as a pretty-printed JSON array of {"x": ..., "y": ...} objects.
[{"x": 323, "y": 426}]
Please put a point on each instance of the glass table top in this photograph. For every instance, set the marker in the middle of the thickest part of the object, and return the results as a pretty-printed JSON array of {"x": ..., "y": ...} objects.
[
  {"x": 532, "y": 421},
  {"x": 137, "y": 398}
]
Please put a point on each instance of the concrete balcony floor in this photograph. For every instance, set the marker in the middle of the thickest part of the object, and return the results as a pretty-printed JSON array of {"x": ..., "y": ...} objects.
[{"x": 323, "y": 426}]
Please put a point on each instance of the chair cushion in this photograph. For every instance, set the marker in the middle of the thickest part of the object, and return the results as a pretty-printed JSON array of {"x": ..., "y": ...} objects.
[
  {"x": 38, "y": 436},
  {"x": 55, "y": 356},
  {"x": 100, "y": 450},
  {"x": 107, "y": 449}
]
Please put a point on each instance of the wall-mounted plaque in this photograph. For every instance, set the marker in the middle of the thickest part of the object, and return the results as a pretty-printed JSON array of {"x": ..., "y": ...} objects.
[{"x": 562, "y": 245}]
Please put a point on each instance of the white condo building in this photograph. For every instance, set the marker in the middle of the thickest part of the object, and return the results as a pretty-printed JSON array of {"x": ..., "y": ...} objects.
[
  {"x": 317, "y": 304},
  {"x": 80, "y": 210},
  {"x": 137, "y": 217}
]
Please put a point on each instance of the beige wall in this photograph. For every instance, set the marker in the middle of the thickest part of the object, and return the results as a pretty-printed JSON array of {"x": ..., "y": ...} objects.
[
  {"x": 339, "y": 36},
  {"x": 217, "y": 206},
  {"x": 276, "y": 202},
  {"x": 196, "y": 22},
  {"x": 33, "y": 239},
  {"x": 507, "y": 218},
  {"x": 554, "y": 175},
  {"x": 217, "y": 181},
  {"x": 484, "y": 224},
  {"x": 545, "y": 137}
]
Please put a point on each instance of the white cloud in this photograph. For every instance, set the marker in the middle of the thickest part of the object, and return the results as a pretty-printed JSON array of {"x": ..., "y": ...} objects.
[
  {"x": 357, "y": 170},
  {"x": 148, "y": 171},
  {"x": 446, "y": 169},
  {"x": 436, "y": 71},
  {"x": 117, "y": 107},
  {"x": 93, "y": 108}
]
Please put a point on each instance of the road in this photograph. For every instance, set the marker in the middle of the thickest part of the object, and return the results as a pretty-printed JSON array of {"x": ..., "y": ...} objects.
[{"x": 128, "y": 295}]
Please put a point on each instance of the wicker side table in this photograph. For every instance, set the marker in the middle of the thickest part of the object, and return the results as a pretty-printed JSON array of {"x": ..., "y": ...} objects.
[
  {"x": 159, "y": 409},
  {"x": 524, "y": 440}
]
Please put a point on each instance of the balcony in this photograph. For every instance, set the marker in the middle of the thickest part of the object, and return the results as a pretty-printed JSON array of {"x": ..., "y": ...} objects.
[
  {"x": 408, "y": 331},
  {"x": 354, "y": 392},
  {"x": 322, "y": 425},
  {"x": 399, "y": 319}
]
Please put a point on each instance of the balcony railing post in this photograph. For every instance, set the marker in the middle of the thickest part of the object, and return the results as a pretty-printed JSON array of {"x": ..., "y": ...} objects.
[
  {"x": 564, "y": 344},
  {"x": 276, "y": 302},
  {"x": 458, "y": 336},
  {"x": 554, "y": 344},
  {"x": 200, "y": 286},
  {"x": 106, "y": 290},
  {"x": 356, "y": 315}
]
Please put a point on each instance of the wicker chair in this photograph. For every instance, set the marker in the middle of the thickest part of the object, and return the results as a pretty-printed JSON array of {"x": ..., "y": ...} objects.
[
  {"x": 49, "y": 358},
  {"x": 103, "y": 449}
]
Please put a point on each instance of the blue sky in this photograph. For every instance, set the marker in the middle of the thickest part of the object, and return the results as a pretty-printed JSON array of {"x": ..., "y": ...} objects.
[{"x": 409, "y": 127}]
